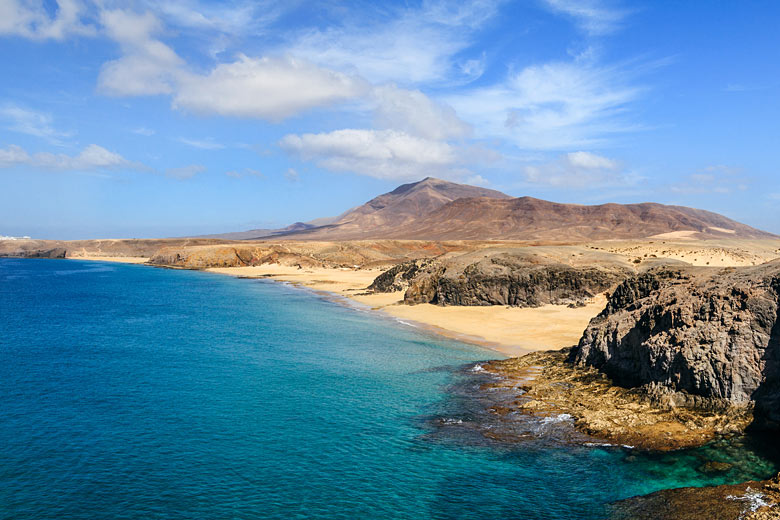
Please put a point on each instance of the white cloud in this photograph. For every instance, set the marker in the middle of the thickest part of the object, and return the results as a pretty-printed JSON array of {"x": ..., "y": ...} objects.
[
  {"x": 265, "y": 88},
  {"x": 144, "y": 131},
  {"x": 93, "y": 157},
  {"x": 31, "y": 122},
  {"x": 384, "y": 154},
  {"x": 147, "y": 66},
  {"x": 203, "y": 144},
  {"x": 407, "y": 45},
  {"x": 12, "y": 156},
  {"x": 29, "y": 19},
  {"x": 413, "y": 112},
  {"x": 224, "y": 17},
  {"x": 551, "y": 106},
  {"x": 292, "y": 175},
  {"x": 589, "y": 161},
  {"x": 718, "y": 179},
  {"x": 580, "y": 170},
  {"x": 594, "y": 16},
  {"x": 477, "y": 180},
  {"x": 246, "y": 172},
  {"x": 185, "y": 172}
]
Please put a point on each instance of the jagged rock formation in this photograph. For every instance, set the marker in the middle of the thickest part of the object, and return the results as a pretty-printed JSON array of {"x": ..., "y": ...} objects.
[
  {"x": 703, "y": 335},
  {"x": 399, "y": 277},
  {"x": 514, "y": 279}
]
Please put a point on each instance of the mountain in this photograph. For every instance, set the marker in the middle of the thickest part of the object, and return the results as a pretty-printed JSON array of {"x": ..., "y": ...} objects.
[
  {"x": 527, "y": 218},
  {"x": 433, "y": 209},
  {"x": 404, "y": 206},
  {"x": 253, "y": 234}
]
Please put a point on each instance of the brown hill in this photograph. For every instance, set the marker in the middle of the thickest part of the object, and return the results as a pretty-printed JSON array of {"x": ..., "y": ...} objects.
[
  {"x": 433, "y": 209},
  {"x": 405, "y": 205},
  {"x": 526, "y": 218}
]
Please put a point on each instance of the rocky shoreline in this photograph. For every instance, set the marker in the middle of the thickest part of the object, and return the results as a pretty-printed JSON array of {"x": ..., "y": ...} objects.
[
  {"x": 700, "y": 337},
  {"x": 678, "y": 357},
  {"x": 745, "y": 501},
  {"x": 545, "y": 384}
]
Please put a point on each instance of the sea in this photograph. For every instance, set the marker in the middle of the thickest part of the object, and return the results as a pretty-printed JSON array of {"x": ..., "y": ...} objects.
[{"x": 129, "y": 392}]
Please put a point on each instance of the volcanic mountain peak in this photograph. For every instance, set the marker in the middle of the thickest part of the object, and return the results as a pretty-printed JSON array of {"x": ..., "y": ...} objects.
[
  {"x": 405, "y": 204},
  {"x": 434, "y": 209}
]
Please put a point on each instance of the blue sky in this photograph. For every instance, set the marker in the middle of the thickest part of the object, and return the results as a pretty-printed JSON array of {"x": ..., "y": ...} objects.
[{"x": 147, "y": 119}]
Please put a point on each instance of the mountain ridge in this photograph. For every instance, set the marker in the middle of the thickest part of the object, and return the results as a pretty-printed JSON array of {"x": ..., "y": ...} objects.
[{"x": 433, "y": 209}]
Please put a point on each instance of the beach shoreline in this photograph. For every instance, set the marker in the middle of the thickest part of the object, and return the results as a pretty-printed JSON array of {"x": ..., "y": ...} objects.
[{"x": 511, "y": 331}]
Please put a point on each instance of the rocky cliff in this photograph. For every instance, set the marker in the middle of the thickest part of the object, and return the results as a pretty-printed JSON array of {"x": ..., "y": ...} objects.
[
  {"x": 699, "y": 335},
  {"x": 501, "y": 279}
]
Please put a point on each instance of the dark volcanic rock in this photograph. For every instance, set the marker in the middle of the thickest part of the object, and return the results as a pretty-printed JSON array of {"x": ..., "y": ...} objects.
[
  {"x": 746, "y": 501},
  {"x": 510, "y": 280},
  {"x": 710, "y": 335},
  {"x": 399, "y": 277},
  {"x": 56, "y": 252}
]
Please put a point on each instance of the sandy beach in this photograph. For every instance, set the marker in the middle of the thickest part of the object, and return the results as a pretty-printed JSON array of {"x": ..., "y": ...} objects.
[{"x": 511, "y": 331}]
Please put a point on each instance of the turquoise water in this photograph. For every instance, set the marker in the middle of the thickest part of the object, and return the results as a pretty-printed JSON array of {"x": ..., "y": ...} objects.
[{"x": 132, "y": 392}]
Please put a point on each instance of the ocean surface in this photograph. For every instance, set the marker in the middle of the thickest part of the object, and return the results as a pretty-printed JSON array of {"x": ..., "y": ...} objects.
[{"x": 128, "y": 392}]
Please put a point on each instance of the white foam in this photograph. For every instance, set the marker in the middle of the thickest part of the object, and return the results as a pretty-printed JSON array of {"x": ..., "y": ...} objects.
[
  {"x": 557, "y": 418},
  {"x": 402, "y": 322},
  {"x": 447, "y": 420},
  {"x": 755, "y": 500}
]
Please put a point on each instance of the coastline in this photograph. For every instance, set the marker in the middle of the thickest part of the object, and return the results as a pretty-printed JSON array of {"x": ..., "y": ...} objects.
[
  {"x": 117, "y": 259},
  {"x": 509, "y": 330}
]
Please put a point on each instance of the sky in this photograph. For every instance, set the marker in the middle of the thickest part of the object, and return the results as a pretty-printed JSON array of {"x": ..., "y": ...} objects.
[{"x": 154, "y": 119}]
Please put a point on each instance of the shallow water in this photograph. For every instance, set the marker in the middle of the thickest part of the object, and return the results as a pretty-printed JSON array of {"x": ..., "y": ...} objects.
[{"x": 131, "y": 392}]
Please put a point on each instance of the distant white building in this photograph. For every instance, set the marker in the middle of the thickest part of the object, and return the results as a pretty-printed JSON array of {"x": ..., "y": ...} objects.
[{"x": 3, "y": 237}]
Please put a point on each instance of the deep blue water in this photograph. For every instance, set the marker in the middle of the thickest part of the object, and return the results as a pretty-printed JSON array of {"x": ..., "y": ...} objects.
[{"x": 132, "y": 392}]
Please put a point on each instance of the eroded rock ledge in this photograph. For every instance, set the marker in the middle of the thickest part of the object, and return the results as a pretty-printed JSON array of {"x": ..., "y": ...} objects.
[
  {"x": 746, "y": 501},
  {"x": 514, "y": 279},
  {"x": 643, "y": 418},
  {"x": 698, "y": 335}
]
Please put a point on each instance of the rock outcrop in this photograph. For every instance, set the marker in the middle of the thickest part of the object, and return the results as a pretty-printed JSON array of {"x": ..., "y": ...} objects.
[
  {"x": 55, "y": 252},
  {"x": 746, "y": 501},
  {"x": 399, "y": 277},
  {"x": 699, "y": 336},
  {"x": 514, "y": 280},
  {"x": 545, "y": 385}
]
